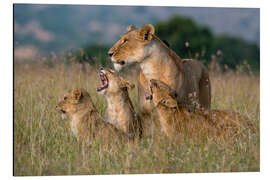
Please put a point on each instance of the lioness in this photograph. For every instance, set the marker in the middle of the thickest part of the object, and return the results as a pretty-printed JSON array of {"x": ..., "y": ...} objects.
[
  {"x": 175, "y": 119},
  {"x": 86, "y": 123},
  {"x": 158, "y": 61},
  {"x": 120, "y": 110}
]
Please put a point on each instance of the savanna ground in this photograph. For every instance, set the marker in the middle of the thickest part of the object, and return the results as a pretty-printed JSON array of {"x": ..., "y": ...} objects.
[{"x": 44, "y": 145}]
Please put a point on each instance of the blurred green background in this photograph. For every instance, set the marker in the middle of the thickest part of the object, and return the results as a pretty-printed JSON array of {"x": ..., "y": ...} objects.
[{"x": 85, "y": 33}]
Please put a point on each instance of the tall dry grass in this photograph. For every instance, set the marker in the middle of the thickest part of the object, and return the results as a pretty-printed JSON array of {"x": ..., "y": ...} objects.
[{"x": 44, "y": 145}]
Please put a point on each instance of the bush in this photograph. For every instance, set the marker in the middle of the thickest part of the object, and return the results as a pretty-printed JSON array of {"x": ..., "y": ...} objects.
[{"x": 190, "y": 40}]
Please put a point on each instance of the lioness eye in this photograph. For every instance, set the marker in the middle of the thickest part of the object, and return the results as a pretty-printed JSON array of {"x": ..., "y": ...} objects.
[{"x": 125, "y": 40}]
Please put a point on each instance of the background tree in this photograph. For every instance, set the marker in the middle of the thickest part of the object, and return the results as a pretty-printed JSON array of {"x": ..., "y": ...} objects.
[{"x": 190, "y": 40}]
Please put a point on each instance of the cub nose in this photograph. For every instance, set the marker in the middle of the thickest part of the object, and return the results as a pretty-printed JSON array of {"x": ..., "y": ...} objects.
[
  {"x": 110, "y": 54},
  {"x": 101, "y": 68}
]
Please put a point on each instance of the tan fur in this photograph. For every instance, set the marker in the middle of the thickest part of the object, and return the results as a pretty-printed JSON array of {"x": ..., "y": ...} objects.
[
  {"x": 157, "y": 61},
  {"x": 86, "y": 123},
  {"x": 120, "y": 110},
  {"x": 176, "y": 120}
]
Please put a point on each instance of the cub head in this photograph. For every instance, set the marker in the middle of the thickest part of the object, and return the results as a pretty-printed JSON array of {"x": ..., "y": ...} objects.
[
  {"x": 132, "y": 46},
  {"x": 112, "y": 82},
  {"x": 72, "y": 101},
  {"x": 162, "y": 94}
]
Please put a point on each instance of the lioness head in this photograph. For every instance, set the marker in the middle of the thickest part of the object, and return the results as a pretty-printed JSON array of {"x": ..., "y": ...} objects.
[
  {"x": 72, "y": 101},
  {"x": 112, "y": 82},
  {"x": 132, "y": 46},
  {"x": 162, "y": 94}
]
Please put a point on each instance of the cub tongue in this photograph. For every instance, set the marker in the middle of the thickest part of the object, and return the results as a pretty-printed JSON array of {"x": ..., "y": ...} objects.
[
  {"x": 99, "y": 88},
  {"x": 147, "y": 96},
  {"x": 103, "y": 85}
]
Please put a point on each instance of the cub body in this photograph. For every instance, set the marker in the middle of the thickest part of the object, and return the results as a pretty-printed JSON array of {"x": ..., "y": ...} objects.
[
  {"x": 176, "y": 120},
  {"x": 120, "y": 110},
  {"x": 86, "y": 123}
]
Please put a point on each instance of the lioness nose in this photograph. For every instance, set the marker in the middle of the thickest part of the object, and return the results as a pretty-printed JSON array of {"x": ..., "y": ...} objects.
[{"x": 110, "y": 54}]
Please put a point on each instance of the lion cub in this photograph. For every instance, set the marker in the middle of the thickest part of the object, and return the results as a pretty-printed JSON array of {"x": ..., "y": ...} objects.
[
  {"x": 86, "y": 123},
  {"x": 120, "y": 110},
  {"x": 177, "y": 120}
]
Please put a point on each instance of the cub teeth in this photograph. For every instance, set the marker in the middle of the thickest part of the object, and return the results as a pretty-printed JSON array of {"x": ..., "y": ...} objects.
[
  {"x": 104, "y": 81},
  {"x": 148, "y": 96}
]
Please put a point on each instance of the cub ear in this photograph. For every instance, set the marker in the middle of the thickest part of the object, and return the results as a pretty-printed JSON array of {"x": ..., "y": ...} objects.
[
  {"x": 131, "y": 28},
  {"x": 77, "y": 94},
  {"x": 146, "y": 32},
  {"x": 169, "y": 102},
  {"x": 126, "y": 84}
]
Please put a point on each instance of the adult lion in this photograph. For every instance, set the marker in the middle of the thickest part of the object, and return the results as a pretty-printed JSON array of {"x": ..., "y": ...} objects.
[{"x": 189, "y": 78}]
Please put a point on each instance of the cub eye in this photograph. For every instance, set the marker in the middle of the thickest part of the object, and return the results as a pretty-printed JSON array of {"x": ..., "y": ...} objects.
[
  {"x": 163, "y": 101},
  {"x": 65, "y": 98},
  {"x": 125, "y": 40}
]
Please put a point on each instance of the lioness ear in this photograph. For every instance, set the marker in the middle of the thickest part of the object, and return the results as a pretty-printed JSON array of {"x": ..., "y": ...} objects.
[
  {"x": 77, "y": 93},
  {"x": 126, "y": 84},
  {"x": 169, "y": 102},
  {"x": 131, "y": 28},
  {"x": 146, "y": 32}
]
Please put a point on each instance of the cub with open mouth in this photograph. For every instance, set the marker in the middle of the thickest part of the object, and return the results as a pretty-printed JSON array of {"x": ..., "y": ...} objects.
[{"x": 120, "y": 110}]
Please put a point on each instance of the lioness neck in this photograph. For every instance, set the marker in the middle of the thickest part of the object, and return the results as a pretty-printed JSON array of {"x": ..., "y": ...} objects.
[
  {"x": 161, "y": 63},
  {"x": 120, "y": 110}
]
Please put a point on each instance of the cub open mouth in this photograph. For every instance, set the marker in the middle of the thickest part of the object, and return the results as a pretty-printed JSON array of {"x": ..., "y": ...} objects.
[
  {"x": 104, "y": 81},
  {"x": 148, "y": 96}
]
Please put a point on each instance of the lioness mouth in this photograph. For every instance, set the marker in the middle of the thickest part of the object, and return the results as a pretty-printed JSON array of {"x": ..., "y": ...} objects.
[
  {"x": 121, "y": 62},
  {"x": 104, "y": 81}
]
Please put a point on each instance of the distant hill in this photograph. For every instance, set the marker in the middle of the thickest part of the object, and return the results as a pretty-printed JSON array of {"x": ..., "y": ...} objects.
[{"x": 60, "y": 27}]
